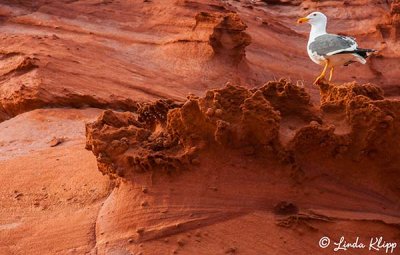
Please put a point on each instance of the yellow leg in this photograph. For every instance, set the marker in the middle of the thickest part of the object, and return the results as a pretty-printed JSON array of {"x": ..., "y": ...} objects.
[
  {"x": 322, "y": 75},
  {"x": 331, "y": 74}
]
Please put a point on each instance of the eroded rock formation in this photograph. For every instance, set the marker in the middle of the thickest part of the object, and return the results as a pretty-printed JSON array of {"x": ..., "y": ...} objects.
[
  {"x": 229, "y": 38},
  {"x": 235, "y": 118},
  {"x": 232, "y": 117},
  {"x": 236, "y": 135}
]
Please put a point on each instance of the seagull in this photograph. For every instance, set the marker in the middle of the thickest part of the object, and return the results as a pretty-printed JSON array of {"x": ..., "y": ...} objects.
[{"x": 331, "y": 50}]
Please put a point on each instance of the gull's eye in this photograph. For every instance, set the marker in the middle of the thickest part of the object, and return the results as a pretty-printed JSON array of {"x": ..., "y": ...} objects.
[{"x": 314, "y": 14}]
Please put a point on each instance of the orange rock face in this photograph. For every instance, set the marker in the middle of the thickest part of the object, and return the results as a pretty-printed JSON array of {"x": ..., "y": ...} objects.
[
  {"x": 193, "y": 145},
  {"x": 240, "y": 130}
]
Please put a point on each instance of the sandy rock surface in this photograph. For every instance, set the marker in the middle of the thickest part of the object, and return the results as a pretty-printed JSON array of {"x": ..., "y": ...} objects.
[{"x": 163, "y": 127}]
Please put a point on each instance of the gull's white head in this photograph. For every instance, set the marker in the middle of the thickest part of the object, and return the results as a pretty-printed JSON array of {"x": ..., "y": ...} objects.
[{"x": 314, "y": 18}]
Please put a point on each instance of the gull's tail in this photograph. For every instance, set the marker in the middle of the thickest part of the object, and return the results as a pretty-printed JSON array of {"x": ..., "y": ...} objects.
[
  {"x": 360, "y": 55},
  {"x": 365, "y": 53}
]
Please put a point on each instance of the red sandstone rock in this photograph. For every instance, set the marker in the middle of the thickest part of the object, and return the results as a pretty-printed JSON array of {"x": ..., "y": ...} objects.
[{"x": 203, "y": 170}]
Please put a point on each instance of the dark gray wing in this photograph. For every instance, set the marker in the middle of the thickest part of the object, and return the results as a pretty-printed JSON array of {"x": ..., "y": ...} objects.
[{"x": 330, "y": 44}]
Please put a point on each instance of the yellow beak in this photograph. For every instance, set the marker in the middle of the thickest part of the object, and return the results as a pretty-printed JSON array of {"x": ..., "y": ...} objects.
[{"x": 303, "y": 20}]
